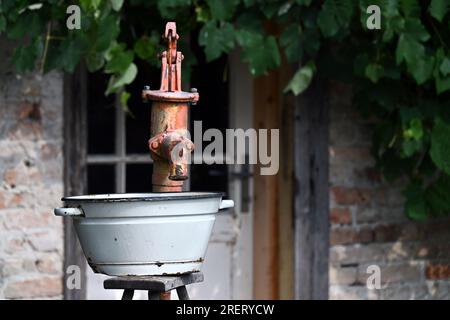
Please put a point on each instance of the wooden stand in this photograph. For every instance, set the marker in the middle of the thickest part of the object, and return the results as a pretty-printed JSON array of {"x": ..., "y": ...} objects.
[{"x": 155, "y": 285}]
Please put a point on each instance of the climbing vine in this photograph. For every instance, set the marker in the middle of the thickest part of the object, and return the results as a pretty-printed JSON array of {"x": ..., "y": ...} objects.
[{"x": 400, "y": 73}]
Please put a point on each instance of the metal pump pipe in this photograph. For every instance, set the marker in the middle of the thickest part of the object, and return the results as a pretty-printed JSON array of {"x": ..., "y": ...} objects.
[{"x": 169, "y": 144}]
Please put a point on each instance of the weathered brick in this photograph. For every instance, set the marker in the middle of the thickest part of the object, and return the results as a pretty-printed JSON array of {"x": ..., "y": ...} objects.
[
  {"x": 386, "y": 233},
  {"x": 49, "y": 263},
  {"x": 365, "y": 177},
  {"x": 17, "y": 266},
  {"x": 365, "y": 235},
  {"x": 9, "y": 199},
  {"x": 438, "y": 289},
  {"x": 348, "y": 235},
  {"x": 28, "y": 110},
  {"x": 406, "y": 292},
  {"x": 25, "y": 219},
  {"x": 22, "y": 175},
  {"x": 342, "y": 236},
  {"x": 15, "y": 245},
  {"x": 10, "y": 177},
  {"x": 438, "y": 271},
  {"x": 403, "y": 273},
  {"x": 342, "y": 276},
  {"x": 377, "y": 231},
  {"x": 2, "y": 200},
  {"x": 49, "y": 151},
  {"x": 44, "y": 240},
  {"x": 349, "y": 196},
  {"x": 389, "y": 197},
  {"x": 399, "y": 251},
  {"x": 373, "y": 213},
  {"x": 344, "y": 135},
  {"x": 44, "y": 286},
  {"x": 357, "y": 253},
  {"x": 342, "y": 292},
  {"x": 432, "y": 250},
  {"x": 356, "y": 155},
  {"x": 340, "y": 216},
  {"x": 436, "y": 229}
]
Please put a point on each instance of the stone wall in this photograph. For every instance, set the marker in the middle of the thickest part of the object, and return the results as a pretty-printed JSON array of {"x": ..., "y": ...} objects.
[
  {"x": 368, "y": 224},
  {"x": 31, "y": 182}
]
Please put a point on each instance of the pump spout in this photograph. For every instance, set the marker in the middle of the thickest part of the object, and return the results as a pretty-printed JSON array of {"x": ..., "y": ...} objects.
[
  {"x": 169, "y": 144},
  {"x": 175, "y": 148}
]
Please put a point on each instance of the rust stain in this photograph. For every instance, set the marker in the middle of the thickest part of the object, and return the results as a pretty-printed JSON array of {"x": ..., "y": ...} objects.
[{"x": 168, "y": 122}]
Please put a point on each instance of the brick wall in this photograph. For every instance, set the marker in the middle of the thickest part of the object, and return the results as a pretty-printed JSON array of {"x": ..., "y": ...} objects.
[
  {"x": 368, "y": 225},
  {"x": 31, "y": 183}
]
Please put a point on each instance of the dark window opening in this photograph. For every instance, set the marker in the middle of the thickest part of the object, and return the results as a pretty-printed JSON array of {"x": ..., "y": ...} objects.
[
  {"x": 211, "y": 80},
  {"x": 118, "y": 156}
]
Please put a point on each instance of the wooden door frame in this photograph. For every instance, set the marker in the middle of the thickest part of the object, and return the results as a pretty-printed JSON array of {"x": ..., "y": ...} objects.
[
  {"x": 291, "y": 211},
  {"x": 75, "y": 149},
  {"x": 311, "y": 195}
]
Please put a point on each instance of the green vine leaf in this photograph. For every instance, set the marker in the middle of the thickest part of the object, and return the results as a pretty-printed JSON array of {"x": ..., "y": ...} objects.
[
  {"x": 301, "y": 79},
  {"x": 71, "y": 51},
  {"x": 408, "y": 49},
  {"x": 145, "y": 47},
  {"x": 106, "y": 32},
  {"x": 2, "y": 23},
  {"x": 410, "y": 8},
  {"x": 291, "y": 40},
  {"x": 119, "y": 59},
  {"x": 27, "y": 24},
  {"x": 94, "y": 61},
  {"x": 415, "y": 205},
  {"x": 25, "y": 56},
  {"x": 440, "y": 146},
  {"x": 261, "y": 53},
  {"x": 374, "y": 72},
  {"x": 216, "y": 40},
  {"x": 422, "y": 69},
  {"x": 124, "y": 97},
  {"x": 222, "y": 10},
  {"x": 169, "y": 8},
  {"x": 442, "y": 84},
  {"x": 438, "y": 9},
  {"x": 334, "y": 15},
  {"x": 445, "y": 66},
  {"x": 116, "y": 4},
  {"x": 117, "y": 82},
  {"x": 90, "y": 5},
  {"x": 438, "y": 196},
  {"x": 305, "y": 3}
]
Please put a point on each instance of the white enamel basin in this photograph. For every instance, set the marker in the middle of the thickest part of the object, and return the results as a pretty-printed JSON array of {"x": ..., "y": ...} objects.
[{"x": 144, "y": 233}]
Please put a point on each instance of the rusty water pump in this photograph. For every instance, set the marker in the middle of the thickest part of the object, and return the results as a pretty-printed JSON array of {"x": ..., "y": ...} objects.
[{"x": 169, "y": 144}]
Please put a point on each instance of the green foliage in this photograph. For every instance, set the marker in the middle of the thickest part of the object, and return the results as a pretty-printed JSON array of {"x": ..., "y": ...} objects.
[
  {"x": 146, "y": 47},
  {"x": 334, "y": 15},
  {"x": 440, "y": 146},
  {"x": 302, "y": 78},
  {"x": 400, "y": 74},
  {"x": 439, "y": 8},
  {"x": 217, "y": 39}
]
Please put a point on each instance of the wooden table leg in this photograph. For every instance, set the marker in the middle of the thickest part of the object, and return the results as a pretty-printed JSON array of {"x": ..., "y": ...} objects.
[
  {"x": 182, "y": 293},
  {"x": 165, "y": 295},
  {"x": 128, "y": 294},
  {"x": 153, "y": 295}
]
